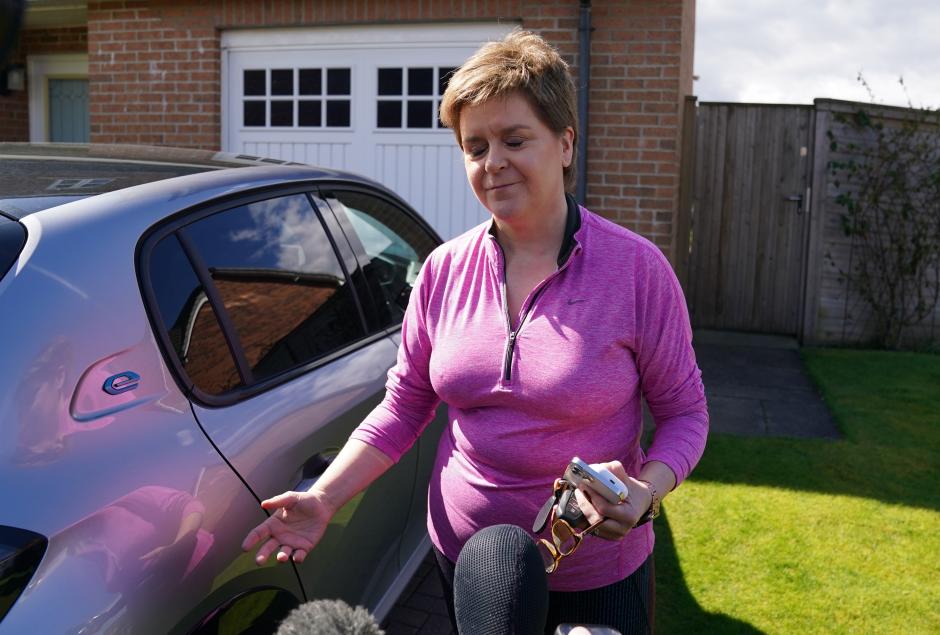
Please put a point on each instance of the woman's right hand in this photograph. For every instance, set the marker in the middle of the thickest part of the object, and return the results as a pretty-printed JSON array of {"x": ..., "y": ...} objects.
[{"x": 297, "y": 522}]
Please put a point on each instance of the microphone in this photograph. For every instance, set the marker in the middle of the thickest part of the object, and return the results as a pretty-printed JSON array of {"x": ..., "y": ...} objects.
[
  {"x": 500, "y": 585},
  {"x": 329, "y": 617}
]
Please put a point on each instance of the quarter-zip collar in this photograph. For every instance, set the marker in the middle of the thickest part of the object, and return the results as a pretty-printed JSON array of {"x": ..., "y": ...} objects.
[
  {"x": 568, "y": 244},
  {"x": 572, "y": 225}
]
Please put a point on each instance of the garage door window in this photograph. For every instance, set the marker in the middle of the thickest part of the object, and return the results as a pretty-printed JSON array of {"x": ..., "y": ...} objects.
[
  {"x": 409, "y": 98},
  {"x": 297, "y": 98}
]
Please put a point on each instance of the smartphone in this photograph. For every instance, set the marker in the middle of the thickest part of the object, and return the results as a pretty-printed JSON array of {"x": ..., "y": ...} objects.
[{"x": 598, "y": 479}]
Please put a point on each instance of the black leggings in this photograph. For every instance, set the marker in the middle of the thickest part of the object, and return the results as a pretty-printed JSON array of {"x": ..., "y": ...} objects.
[{"x": 627, "y": 606}]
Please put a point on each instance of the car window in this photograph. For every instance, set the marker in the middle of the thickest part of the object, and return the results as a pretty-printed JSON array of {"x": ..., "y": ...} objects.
[
  {"x": 20, "y": 207},
  {"x": 280, "y": 282},
  {"x": 48, "y": 177},
  {"x": 395, "y": 245},
  {"x": 190, "y": 321}
]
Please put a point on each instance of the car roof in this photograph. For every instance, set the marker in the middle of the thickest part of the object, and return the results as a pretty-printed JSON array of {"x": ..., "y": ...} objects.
[{"x": 35, "y": 177}]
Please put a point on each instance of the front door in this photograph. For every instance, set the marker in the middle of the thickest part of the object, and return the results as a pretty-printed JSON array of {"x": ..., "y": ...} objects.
[
  {"x": 58, "y": 97},
  {"x": 68, "y": 110}
]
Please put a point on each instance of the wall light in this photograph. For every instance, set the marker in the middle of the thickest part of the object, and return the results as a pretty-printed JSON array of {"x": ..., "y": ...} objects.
[{"x": 16, "y": 77}]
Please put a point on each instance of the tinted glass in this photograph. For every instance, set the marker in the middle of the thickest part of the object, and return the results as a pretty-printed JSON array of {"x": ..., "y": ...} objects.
[
  {"x": 311, "y": 81},
  {"x": 337, "y": 81},
  {"x": 308, "y": 113},
  {"x": 396, "y": 247},
  {"x": 282, "y": 81},
  {"x": 411, "y": 111},
  {"x": 388, "y": 114},
  {"x": 12, "y": 239},
  {"x": 254, "y": 82},
  {"x": 68, "y": 173},
  {"x": 390, "y": 81},
  {"x": 20, "y": 207},
  {"x": 443, "y": 78},
  {"x": 420, "y": 114},
  {"x": 254, "y": 113},
  {"x": 337, "y": 113},
  {"x": 282, "y": 113},
  {"x": 280, "y": 282},
  {"x": 188, "y": 317},
  {"x": 420, "y": 81}
]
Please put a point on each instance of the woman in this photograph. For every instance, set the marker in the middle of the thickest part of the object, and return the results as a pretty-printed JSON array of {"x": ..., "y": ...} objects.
[{"x": 540, "y": 329}]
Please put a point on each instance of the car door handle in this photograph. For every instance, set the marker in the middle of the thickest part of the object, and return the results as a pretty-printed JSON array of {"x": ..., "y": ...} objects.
[{"x": 314, "y": 468}]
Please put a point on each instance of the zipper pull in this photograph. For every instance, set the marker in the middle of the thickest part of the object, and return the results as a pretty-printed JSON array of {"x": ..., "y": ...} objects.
[{"x": 507, "y": 362}]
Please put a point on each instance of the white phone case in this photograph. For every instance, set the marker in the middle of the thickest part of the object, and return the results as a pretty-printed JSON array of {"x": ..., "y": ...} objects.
[{"x": 598, "y": 479}]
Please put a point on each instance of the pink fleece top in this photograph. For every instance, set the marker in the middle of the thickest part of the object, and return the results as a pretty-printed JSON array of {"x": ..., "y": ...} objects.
[{"x": 608, "y": 326}]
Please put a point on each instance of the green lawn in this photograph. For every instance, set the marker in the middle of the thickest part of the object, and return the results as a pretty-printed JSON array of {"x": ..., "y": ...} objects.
[{"x": 814, "y": 536}]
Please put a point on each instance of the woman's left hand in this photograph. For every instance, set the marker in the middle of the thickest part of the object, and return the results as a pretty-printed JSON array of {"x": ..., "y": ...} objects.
[{"x": 621, "y": 517}]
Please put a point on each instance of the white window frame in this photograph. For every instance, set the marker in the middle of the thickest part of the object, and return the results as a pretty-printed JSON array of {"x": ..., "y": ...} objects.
[
  {"x": 296, "y": 97},
  {"x": 357, "y": 37},
  {"x": 407, "y": 96},
  {"x": 40, "y": 69}
]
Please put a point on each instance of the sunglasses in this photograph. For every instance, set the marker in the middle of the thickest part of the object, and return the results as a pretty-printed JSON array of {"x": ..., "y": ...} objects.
[{"x": 565, "y": 541}]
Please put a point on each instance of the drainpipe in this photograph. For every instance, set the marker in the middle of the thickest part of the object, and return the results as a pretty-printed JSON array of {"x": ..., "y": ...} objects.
[{"x": 584, "y": 79}]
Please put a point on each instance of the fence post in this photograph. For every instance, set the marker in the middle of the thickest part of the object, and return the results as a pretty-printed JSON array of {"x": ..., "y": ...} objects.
[{"x": 682, "y": 244}]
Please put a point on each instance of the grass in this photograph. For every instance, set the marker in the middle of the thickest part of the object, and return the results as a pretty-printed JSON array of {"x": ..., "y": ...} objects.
[{"x": 814, "y": 536}]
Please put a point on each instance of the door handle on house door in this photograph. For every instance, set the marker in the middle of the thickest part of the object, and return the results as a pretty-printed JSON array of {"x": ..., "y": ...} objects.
[
  {"x": 798, "y": 199},
  {"x": 314, "y": 468}
]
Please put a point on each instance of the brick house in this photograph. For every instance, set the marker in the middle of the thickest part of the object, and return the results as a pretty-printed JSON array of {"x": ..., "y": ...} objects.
[{"x": 354, "y": 84}]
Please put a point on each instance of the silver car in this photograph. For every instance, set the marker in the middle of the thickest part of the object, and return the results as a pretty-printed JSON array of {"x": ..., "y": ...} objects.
[{"x": 183, "y": 334}]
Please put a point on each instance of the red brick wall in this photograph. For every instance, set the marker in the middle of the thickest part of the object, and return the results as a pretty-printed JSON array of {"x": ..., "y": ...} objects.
[
  {"x": 154, "y": 68},
  {"x": 633, "y": 161},
  {"x": 641, "y": 70},
  {"x": 154, "y": 65},
  {"x": 14, "y": 108},
  {"x": 154, "y": 73}
]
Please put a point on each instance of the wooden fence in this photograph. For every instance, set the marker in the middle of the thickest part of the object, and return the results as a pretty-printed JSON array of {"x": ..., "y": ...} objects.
[
  {"x": 760, "y": 245},
  {"x": 835, "y": 311}
]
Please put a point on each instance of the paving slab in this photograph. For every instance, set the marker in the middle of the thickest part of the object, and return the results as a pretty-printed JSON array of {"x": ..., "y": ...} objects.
[
  {"x": 421, "y": 609},
  {"x": 757, "y": 385}
]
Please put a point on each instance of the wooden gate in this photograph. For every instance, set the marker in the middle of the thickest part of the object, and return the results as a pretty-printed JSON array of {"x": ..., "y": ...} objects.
[{"x": 747, "y": 205}]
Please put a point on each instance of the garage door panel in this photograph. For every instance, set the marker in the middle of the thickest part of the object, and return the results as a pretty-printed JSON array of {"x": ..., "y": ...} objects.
[
  {"x": 432, "y": 179},
  {"x": 326, "y": 154},
  {"x": 276, "y": 90}
]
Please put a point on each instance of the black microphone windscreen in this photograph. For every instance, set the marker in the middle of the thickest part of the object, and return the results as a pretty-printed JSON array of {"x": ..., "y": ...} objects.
[
  {"x": 500, "y": 585},
  {"x": 329, "y": 617}
]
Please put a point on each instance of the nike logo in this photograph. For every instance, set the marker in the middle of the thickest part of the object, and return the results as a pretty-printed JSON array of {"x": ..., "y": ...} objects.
[{"x": 571, "y": 301}]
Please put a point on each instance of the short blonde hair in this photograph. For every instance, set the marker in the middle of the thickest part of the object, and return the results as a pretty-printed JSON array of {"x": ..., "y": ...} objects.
[{"x": 521, "y": 62}]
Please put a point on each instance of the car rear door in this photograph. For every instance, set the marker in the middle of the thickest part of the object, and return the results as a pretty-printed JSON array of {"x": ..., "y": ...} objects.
[
  {"x": 302, "y": 372},
  {"x": 391, "y": 243}
]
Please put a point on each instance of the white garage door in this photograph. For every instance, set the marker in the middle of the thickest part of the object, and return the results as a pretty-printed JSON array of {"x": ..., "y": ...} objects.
[{"x": 363, "y": 99}]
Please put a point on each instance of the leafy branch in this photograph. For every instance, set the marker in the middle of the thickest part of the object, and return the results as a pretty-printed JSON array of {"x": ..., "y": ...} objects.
[{"x": 888, "y": 182}]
